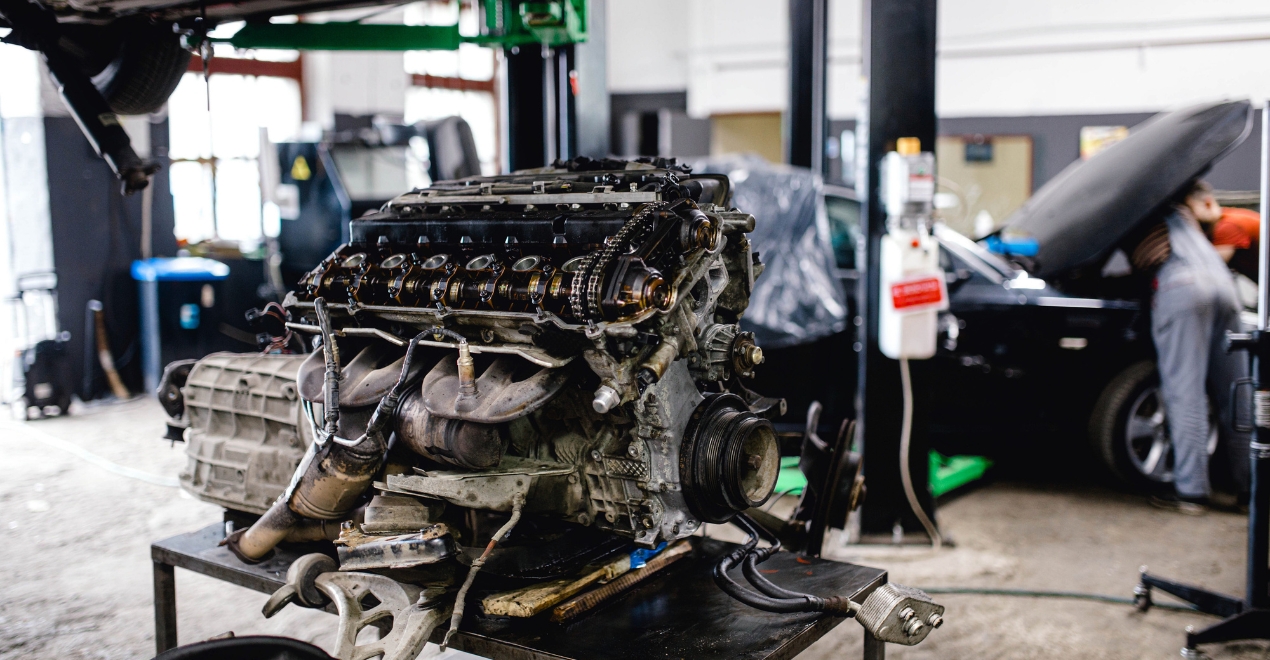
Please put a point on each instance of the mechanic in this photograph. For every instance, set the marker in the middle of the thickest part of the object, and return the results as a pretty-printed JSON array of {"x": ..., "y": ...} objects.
[
  {"x": 1236, "y": 236},
  {"x": 1195, "y": 303}
]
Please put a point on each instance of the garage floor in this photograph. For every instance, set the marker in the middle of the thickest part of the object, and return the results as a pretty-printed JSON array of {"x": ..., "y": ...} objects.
[{"x": 76, "y": 573}]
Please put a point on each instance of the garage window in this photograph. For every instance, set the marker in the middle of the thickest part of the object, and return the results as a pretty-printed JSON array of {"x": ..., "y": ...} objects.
[
  {"x": 448, "y": 83},
  {"x": 215, "y": 175}
]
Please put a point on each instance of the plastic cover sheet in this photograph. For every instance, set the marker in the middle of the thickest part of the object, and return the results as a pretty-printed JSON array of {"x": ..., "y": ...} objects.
[{"x": 799, "y": 298}]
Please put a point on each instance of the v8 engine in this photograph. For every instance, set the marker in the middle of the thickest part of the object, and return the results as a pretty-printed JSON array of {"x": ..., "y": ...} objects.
[{"x": 553, "y": 354}]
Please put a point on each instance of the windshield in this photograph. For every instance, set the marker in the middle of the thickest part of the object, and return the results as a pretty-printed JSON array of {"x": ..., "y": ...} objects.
[
  {"x": 974, "y": 255},
  {"x": 843, "y": 211}
]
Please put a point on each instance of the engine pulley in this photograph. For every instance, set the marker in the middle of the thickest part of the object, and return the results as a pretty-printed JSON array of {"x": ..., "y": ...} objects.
[{"x": 729, "y": 460}]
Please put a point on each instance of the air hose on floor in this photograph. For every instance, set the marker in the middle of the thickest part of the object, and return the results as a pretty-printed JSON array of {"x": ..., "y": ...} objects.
[
  {"x": 1029, "y": 593},
  {"x": 906, "y": 474}
]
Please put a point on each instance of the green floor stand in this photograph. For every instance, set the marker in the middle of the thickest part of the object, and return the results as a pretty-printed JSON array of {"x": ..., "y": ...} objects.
[{"x": 947, "y": 473}]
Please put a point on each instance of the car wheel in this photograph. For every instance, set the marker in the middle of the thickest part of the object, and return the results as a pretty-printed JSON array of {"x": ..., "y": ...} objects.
[
  {"x": 1129, "y": 429},
  {"x": 144, "y": 71}
]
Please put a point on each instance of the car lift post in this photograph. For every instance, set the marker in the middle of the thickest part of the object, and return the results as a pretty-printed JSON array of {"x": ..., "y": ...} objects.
[
  {"x": 899, "y": 62},
  {"x": 1248, "y": 618},
  {"x": 808, "y": 49}
]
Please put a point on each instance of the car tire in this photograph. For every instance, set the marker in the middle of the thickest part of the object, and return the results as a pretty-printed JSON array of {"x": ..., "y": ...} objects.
[
  {"x": 144, "y": 71},
  {"x": 1129, "y": 432}
]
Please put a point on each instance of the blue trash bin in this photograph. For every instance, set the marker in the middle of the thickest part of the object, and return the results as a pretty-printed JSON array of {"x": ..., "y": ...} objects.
[{"x": 178, "y": 302}]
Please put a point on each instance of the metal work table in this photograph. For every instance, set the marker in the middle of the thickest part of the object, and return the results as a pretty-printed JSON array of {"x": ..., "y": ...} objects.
[{"x": 678, "y": 613}]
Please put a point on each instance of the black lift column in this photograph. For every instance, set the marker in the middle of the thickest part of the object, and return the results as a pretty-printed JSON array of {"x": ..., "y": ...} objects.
[
  {"x": 808, "y": 39},
  {"x": 899, "y": 62}
]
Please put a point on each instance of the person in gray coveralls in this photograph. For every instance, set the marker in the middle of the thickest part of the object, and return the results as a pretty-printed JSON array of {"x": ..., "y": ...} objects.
[{"x": 1195, "y": 304}]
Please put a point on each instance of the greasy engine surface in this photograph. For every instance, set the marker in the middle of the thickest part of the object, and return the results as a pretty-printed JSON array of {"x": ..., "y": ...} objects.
[{"x": 597, "y": 303}]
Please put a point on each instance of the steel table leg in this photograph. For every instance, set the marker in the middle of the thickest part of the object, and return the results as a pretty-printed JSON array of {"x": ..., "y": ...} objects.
[
  {"x": 164, "y": 607},
  {"x": 874, "y": 649}
]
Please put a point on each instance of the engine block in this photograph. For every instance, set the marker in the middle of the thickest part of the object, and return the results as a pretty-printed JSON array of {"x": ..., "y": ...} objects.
[{"x": 597, "y": 303}]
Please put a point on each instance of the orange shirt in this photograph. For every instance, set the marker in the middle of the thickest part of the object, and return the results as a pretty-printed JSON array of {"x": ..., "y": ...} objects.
[{"x": 1237, "y": 227}]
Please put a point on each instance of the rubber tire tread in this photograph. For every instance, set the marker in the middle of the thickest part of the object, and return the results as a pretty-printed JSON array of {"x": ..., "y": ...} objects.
[
  {"x": 145, "y": 72},
  {"x": 1106, "y": 422}
]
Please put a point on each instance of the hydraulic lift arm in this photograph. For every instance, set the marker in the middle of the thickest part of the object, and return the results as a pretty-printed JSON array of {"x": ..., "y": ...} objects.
[{"x": 35, "y": 27}]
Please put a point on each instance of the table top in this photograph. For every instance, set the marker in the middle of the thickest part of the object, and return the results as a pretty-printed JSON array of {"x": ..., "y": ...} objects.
[{"x": 678, "y": 613}]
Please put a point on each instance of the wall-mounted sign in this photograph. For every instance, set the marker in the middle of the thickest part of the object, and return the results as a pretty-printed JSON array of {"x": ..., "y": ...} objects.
[
  {"x": 978, "y": 149},
  {"x": 1096, "y": 138}
]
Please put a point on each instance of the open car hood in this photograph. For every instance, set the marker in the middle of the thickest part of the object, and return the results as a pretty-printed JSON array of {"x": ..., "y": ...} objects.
[{"x": 1081, "y": 214}]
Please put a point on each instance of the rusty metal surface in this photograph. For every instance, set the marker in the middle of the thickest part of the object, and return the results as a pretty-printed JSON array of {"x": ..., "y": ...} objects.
[
  {"x": 499, "y": 397},
  {"x": 677, "y": 614}
]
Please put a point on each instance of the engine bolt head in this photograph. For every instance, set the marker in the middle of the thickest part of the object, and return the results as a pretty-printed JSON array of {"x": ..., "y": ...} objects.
[
  {"x": 913, "y": 627},
  {"x": 935, "y": 620}
]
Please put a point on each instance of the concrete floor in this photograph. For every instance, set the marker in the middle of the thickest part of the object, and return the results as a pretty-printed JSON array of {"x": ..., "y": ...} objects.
[{"x": 77, "y": 581}]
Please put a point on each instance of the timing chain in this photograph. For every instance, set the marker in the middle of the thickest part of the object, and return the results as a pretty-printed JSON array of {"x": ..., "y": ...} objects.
[{"x": 594, "y": 264}]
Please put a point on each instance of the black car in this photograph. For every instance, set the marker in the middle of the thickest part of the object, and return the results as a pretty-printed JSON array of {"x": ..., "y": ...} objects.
[{"x": 1050, "y": 345}]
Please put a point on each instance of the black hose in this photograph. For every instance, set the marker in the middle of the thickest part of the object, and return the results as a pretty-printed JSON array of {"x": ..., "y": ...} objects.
[
  {"x": 388, "y": 405},
  {"x": 750, "y": 566},
  {"x": 725, "y": 186},
  {"x": 767, "y": 602},
  {"x": 331, "y": 380},
  {"x": 447, "y": 333}
]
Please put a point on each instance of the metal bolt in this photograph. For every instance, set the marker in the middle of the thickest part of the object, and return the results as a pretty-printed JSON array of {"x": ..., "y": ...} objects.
[
  {"x": 595, "y": 455},
  {"x": 606, "y": 398},
  {"x": 906, "y": 614},
  {"x": 913, "y": 627},
  {"x": 633, "y": 450},
  {"x": 935, "y": 620}
]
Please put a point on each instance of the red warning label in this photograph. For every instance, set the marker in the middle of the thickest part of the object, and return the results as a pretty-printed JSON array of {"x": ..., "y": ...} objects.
[{"x": 924, "y": 292}]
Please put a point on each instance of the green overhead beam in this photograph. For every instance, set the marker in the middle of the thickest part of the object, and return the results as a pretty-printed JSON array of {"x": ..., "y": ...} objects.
[
  {"x": 346, "y": 36},
  {"x": 508, "y": 23}
]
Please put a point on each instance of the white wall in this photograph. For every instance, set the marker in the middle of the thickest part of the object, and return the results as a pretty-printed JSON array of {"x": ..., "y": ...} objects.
[
  {"x": 352, "y": 82},
  {"x": 649, "y": 44},
  {"x": 1121, "y": 56},
  {"x": 26, "y": 240},
  {"x": 997, "y": 57}
]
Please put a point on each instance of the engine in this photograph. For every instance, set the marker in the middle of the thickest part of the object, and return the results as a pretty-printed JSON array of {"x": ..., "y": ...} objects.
[
  {"x": 549, "y": 360},
  {"x": 573, "y": 339}
]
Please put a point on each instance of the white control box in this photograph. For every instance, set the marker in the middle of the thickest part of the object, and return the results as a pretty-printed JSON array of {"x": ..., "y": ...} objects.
[{"x": 913, "y": 293}]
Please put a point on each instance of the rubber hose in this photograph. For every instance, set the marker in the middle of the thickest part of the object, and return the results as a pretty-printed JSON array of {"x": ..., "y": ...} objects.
[
  {"x": 331, "y": 380},
  {"x": 803, "y": 603},
  {"x": 1025, "y": 593},
  {"x": 906, "y": 474}
]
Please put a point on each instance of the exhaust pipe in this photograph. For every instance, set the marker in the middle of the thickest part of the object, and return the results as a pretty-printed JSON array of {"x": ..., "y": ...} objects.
[{"x": 335, "y": 472}]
